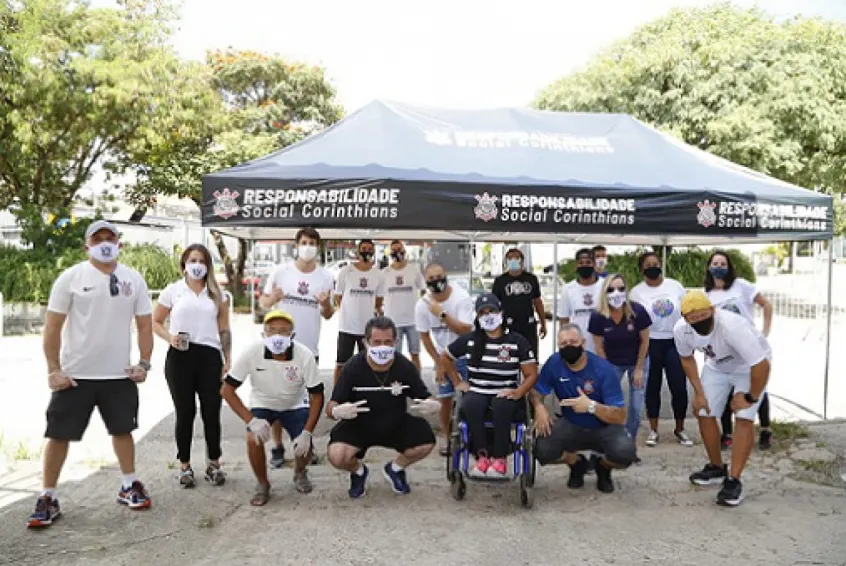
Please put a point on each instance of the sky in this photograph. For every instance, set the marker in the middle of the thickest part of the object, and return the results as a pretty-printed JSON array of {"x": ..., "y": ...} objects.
[{"x": 448, "y": 53}]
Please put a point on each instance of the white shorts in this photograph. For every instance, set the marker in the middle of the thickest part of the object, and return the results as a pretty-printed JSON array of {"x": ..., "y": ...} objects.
[{"x": 718, "y": 386}]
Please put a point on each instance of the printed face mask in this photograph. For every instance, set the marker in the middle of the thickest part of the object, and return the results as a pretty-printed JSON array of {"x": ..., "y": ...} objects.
[
  {"x": 104, "y": 252},
  {"x": 437, "y": 285},
  {"x": 617, "y": 299},
  {"x": 398, "y": 256},
  {"x": 514, "y": 264},
  {"x": 277, "y": 344},
  {"x": 571, "y": 354},
  {"x": 653, "y": 272},
  {"x": 196, "y": 270},
  {"x": 491, "y": 321},
  {"x": 307, "y": 253},
  {"x": 719, "y": 272},
  {"x": 585, "y": 271},
  {"x": 366, "y": 256},
  {"x": 601, "y": 262},
  {"x": 381, "y": 355}
]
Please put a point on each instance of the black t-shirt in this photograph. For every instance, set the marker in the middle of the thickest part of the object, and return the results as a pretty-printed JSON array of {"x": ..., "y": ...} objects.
[
  {"x": 516, "y": 295},
  {"x": 385, "y": 393},
  {"x": 500, "y": 365}
]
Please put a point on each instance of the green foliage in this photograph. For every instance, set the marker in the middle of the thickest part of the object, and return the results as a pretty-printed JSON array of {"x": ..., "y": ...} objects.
[
  {"x": 156, "y": 266},
  {"x": 686, "y": 266}
]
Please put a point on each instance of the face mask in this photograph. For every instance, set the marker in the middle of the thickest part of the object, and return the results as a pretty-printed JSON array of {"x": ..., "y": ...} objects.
[
  {"x": 617, "y": 299},
  {"x": 585, "y": 271},
  {"x": 196, "y": 270},
  {"x": 601, "y": 262},
  {"x": 381, "y": 355},
  {"x": 365, "y": 256},
  {"x": 398, "y": 256},
  {"x": 719, "y": 272},
  {"x": 652, "y": 272},
  {"x": 514, "y": 264},
  {"x": 571, "y": 354},
  {"x": 277, "y": 344},
  {"x": 703, "y": 327},
  {"x": 491, "y": 321},
  {"x": 307, "y": 253},
  {"x": 437, "y": 285},
  {"x": 104, "y": 252}
]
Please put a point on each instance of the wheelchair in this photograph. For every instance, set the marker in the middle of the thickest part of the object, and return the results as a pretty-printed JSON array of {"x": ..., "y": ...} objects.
[{"x": 523, "y": 465}]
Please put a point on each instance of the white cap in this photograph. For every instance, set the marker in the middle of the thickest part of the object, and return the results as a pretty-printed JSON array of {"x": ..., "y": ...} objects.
[{"x": 95, "y": 227}]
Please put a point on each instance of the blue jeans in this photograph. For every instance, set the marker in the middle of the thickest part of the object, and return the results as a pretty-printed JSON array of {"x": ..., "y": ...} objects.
[{"x": 636, "y": 396}]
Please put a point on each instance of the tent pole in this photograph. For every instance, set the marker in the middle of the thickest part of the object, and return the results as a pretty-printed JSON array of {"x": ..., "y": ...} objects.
[
  {"x": 828, "y": 329},
  {"x": 554, "y": 295},
  {"x": 470, "y": 270},
  {"x": 253, "y": 280},
  {"x": 664, "y": 256}
]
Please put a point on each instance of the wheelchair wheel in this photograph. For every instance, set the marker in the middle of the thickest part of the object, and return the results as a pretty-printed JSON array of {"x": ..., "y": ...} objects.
[
  {"x": 457, "y": 487},
  {"x": 529, "y": 448},
  {"x": 453, "y": 442},
  {"x": 527, "y": 496}
]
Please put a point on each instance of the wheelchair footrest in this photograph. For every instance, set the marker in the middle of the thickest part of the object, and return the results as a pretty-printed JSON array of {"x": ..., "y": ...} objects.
[{"x": 487, "y": 479}]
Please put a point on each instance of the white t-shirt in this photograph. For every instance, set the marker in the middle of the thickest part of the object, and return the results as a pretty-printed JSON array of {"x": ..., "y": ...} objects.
[
  {"x": 734, "y": 345},
  {"x": 192, "y": 313},
  {"x": 358, "y": 291},
  {"x": 402, "y": 290},
  {"x": 97, "y": 334},
  {"x": 663, "y": 303},
  {"x": 459, "y": 305},
  {"x": 739, "y": 299},
  {"x": 277, "y": 385},
  {"x": 577, "y": 302},
  {"x": 301, "y": 291}
]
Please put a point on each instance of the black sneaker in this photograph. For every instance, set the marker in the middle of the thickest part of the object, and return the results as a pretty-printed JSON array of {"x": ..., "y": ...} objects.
[
  {"x": 764, "y": 441},
  {"x": 47, "y": 510},
  {"x": 358, "y": 483},
  {"x": 604, "y": 483},
  {"x": 709, "y": 475},
  {"x": 577, "y": 473},
  {"x": 277, "y": 457},
  {"x": 731, "y": 494}
]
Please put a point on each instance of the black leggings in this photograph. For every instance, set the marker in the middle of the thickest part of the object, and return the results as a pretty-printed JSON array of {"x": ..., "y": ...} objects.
[
  {"x": 763, "y": 414},
  {"x": 664, "y": 359},
  {"x": 503, "y": 413},
  {"x": 194, "y": 373}
]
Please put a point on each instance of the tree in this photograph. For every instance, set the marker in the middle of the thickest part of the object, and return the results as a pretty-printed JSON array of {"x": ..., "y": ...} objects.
[{"x": 767, "y": 95}]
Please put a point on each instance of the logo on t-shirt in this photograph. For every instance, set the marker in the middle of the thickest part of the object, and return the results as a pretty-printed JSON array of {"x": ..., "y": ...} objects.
[
  {"x": 663, "y": 307},
  {"x": 291, "y": 373},
  {"x": 732, "y": 307},
  {"x": 400, "y": 279},
  {"x": 125, "y": 288},
  {"x": 362, "y": 283},
  {"x": 709, "y": 351},
  {"x": 518, "y": 288},
  {"x": 588, "y": 387},
  {"x": 504, "y": 353},
  {"x": 302, "y": 288},
  {"x": 587, "y": 298},
  {"x": 396, "y": 388}
]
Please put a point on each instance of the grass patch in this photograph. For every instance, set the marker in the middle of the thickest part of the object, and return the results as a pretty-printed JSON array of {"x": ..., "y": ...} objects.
[
  {"x": 821, "y": 472},
  {"x": 206, "y": 522},
  {"x": 786, "y": 433},
  {"x": 23, "y": 452}
]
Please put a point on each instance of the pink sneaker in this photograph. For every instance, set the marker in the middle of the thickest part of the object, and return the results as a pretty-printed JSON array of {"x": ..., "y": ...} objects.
[
  {"x": 483, "y": 464},
  {"x": 498, "y": 468}
]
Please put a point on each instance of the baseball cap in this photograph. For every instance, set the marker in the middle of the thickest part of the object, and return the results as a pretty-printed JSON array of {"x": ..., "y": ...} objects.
[
  {"x": 487, "y": 300},
  {"x": 95, "y": 227},
  {"x": 695, "y": 300},
  {"x": 274, "y": 314}
]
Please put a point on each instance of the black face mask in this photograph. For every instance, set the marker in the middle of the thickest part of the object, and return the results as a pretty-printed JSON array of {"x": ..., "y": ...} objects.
[
  {"x": 398, "y": 256},
  {"x": 365, "y": 256},
  {"x": 585, "y": 271},
  {"x": 652, "y": 272},
  {"x": 437, "y": 285},
  {"x": 571, "y": 354},
  {"x": 703, "y": 327}
]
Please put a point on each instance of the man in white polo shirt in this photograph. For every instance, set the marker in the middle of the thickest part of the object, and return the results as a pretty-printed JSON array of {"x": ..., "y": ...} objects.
[
  {"x": 736, "y": 356},
  {"x": 87, "y": 344},
  {"x": 304, "y": 290},
  {"x": 403, "y": 286},
  {"x": 286, "y": 388}
]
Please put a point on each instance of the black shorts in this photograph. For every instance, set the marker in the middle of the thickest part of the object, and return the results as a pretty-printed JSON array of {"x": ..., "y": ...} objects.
[
  {"x": 410, "y": 432},
  {"x": 346, "y": 344},
  {"x": 70, "y": 409}
]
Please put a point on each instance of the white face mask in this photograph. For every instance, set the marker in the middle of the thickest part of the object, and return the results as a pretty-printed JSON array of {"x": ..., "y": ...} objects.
[
  {"x": 104, "y": 252},
  {"x": 381, "y": 355},
  {"x": 196, "y": 270},
  {"x": 491, "y": 321},
  {"x": 601, "y": 262},
  {"x": 617, "y": 299},
  {"x": 306, "y": 253},
  {"x": 277, "y": 344}
]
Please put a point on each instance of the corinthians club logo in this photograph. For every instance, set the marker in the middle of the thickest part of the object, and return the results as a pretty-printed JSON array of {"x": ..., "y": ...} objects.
[
  {"x": 225, "y": 204},
  {"x": 486, "y": 209},
  {"x": 302, "y": 288},
  {"x": 706, "y": 217}
]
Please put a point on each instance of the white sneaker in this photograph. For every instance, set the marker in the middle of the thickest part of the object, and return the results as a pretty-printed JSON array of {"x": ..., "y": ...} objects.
[
  {"x": 652, "y": 439},
  {"x": 684, "y": 439}
]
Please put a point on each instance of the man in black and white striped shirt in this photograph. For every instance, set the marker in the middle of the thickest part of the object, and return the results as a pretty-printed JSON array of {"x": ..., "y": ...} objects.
[{"x": 497, "y": 359}]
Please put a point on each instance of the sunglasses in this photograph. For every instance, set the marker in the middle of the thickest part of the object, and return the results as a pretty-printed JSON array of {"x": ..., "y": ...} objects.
[
  {"x": 114, "y": 289},
  {"x": 614, "y": 289}
]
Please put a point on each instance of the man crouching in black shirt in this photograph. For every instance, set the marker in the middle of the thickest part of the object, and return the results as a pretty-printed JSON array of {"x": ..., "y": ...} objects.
[{"x": 370, "y": 401}]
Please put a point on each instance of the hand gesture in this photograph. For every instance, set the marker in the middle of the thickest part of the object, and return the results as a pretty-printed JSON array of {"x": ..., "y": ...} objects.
[
  {"x": 542, "y": 329},
  {"x": 463, "y": 386},
  {"x": 349, "y": 411},
  {"x": 739, "y": 402},
  {"x": 637, "y": 378},
  {"x": 302, "y": 444},
  {"x": 323, "y": 299},
  {"x": 699, "y": 404},
  {"x": 136, "y": 373},
  {"x": 276, "y": 293},
  {"x": 174, "y": 341},
  {"x": 426, "y": 406},
  {"x": 579, "y": 404},
  {"x": 543, "y": 422},
  {"x": 58, "y": 380},
  {"x": 509, "y": 394},
  {"x": 260, "y": 429}
]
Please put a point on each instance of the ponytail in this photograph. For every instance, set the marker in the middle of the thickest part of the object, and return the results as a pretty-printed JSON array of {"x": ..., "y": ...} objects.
[{"x": 480, "y": 344}]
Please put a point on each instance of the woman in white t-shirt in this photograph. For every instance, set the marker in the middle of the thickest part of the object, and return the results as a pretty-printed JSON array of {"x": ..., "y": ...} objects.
[
  {"x": 662, "y": 297},
  {"x": 729, "y": 292},
  {"x": 199, "y": 356}
]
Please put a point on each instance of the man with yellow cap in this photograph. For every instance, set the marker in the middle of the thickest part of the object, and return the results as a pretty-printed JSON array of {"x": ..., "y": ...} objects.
[
  {"x": 736, "y": 356},
  {"x": 286, "y": 387}
]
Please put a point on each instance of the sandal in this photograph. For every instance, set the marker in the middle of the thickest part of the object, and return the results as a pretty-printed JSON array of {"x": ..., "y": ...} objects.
[{"x": 260, "y": 496}]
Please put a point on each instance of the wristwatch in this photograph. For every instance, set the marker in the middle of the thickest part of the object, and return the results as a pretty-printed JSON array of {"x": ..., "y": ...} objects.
[
  {"x": 144, "y": 365},
  {"x": 592, "y": 407},
  {"x": 749, "y": 398}
]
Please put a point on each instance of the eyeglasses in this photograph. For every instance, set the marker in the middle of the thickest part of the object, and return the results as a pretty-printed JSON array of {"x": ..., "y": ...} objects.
[
  {"x": 614, "y": 289},
  {"x": 114, "y": 288}
]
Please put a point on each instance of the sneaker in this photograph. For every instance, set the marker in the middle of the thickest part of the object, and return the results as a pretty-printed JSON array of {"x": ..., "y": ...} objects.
[
  {"x": 302, "y": 483},
  {"x": 725, "y": 442},
  {"x": 604, "y": 483},
  {"x": 498, "y": 468},
  {"x": 214, "y": 475},
  {"x": 684, "y": 439},
  {"x": 277, "y": 457},
  {"x": 764, "y": 441},
  {"x": 731, "y": 494},
  {"x": 577, "y": 473},
  {"x": 358, "y": 483},
  {"x": 709, "y": 475},
  {"x": 186, "y": 478},
  {"x": 396, "y": 479},
  {"x": 134, "y": 497},
  {"x": 482, "y": 466},
  {"x": 47, "y": 510},
  {"x": 652, "y": 438}
]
